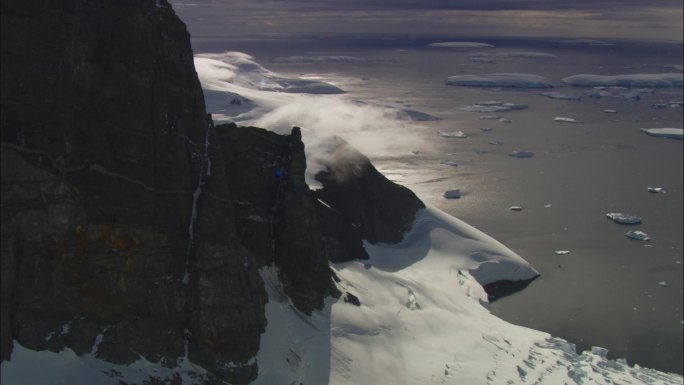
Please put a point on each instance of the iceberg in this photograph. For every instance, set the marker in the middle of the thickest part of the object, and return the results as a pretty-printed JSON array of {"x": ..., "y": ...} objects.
[
  {"x": 562, "y": 252},
  {"x": 656, "y": 190},
  {"x": 566, "y": 120},
  {"x": 610, "y": 111},
  {"x": 630, "y": 80},
  {"x": 489, "y": 117},
  {"x": 486, "y": 129},
  {"x": 526, "y": 55},
  {"x": 585, "y": 42},
  {"x": 521, "y": 154},
  {"x": 561, "y": 96},
  {"x": 515, "y": 80},
  {"x": 452, "y": 194},
  {"x": 625, "y": 219},
  {"x": 496, "y": 142},
  {"x": 460, "y": 44},
  {"x": 453, "y": 134},
  {"x": 674, "y": 133},
  {"x": 481, "y": 108},
  {"x": 449, "y": 163},
  {"x": 515, "y": 208},
  {"x": 638, "y": 235},
  {"x": 504, "y": 120}
]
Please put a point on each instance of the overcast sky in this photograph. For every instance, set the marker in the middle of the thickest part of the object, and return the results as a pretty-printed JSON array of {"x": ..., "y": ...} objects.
[{"x": 640, "y": 19}]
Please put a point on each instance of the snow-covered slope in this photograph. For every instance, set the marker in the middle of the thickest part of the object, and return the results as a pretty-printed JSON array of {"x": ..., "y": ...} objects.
[{"x": 423, "y": 319}]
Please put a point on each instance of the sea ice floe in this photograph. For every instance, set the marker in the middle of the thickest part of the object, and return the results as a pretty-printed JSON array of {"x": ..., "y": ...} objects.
[
  {"x": 629, "y": 80},
  {"x": 526, "y": 55},
  {"x": 597, "y": 94},
  {"x": 486, "y": 129},
  {"x": 625, "y": 219},
  {"x": 656, "y": 190},
  {"x": 610, "y": 111},
  {"x": 561, "y": 95},
  {"x": 562, "y": 252},
  {"x": 504, "y": 120},
  {"x": 674, "y": 133},
  {"x": 460, "y": 44},
  {"x": 521, "y": 154},
  {"x": 489, "y": 117},
  {"x": 518, "y": 80},
  {"x": 638, "y": 235},
  {"x": 586, "y": 42},
  {"x": 662, "y": 283},
  {"x": 452, "y": 194},
  {"x": 496, "y": 142},
  {"x": 481, "y": 108},
  {"x": 566, "y": 120},
  {"x": 449, "y": 163},
  {"x": 667, "y": 105},
  {"x": 453, "y": 134}
]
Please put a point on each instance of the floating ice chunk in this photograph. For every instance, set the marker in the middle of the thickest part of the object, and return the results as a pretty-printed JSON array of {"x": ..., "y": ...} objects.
[
  {"x": 561, "y": 95},
  {"x": 481, "y": 108},
  {"x": 597, "y": 94},
  {"x": 460, "y": 44},
  {"x": 638, "y": 235},
  {"x": 515, "y": 106},
  {"x": 452, "y": 194},
  {"x": 526, "y": 55},
  {"x": 504, "y": 120},
  {"x": 453, "y": 134},
  {"x": 518, "y": 80},
  {"x": 674, "y": 133},
  {"x": 586, "y": 42},
  {"x": 489, "y": 117},
  {"x": 496, "y": 142},
  {"x": 521, "y": 154},
  {"x": 667, "y": 105},
  {"x": 547, "y": 206},
  {"x": 489, "y": 103},
  {"x": 515, "y": 208},
  {"x": 656, "y": 190},
  {"x": 662, "y": 283},
  {"x": 610, "y": 111},
  {"x": 562, "y": 252},
  {"x": 625, "y": 219},
  {"x": 629, "y": 80},
  {"x": 566, "y": 120},
  {"x": 486, "y": 129},
  {"x": 449, "y": 163}
]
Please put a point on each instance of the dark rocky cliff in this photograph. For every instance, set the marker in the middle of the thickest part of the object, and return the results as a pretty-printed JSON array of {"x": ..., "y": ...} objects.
[{"x": 127, "y": 214}]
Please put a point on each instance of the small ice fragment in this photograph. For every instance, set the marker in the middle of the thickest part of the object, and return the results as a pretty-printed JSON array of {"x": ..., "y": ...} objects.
[
  {"x": 489, "y": 117},
  {"x": 674, "y": 133},
  {"x": 415, "y": 152},
  {"x": 452, "y": 194},
  {"x": 521, "y": 154},
  {"x": 566, "y": 120},
  {"x": 486, "y": 129},
  {"x": 515, "y": 106},
  {"x": 515, "y": 208},
  {"x": 562, "y": 252},
  {"x": 561, "y": 96},
  {"x": 453, "y": 134},
  {"x": 449, "y": 163},
  {"x": 638, "y": 235},
  {"x": 625, "y": 219},
  {"x": 662, "y": 283},
  {"x": 547, "y": 206},
  {"x": 489, "y": 103},
  {"x": 656, "y": 190},
  {"x": 504, "y": 120},
  {"x": 496, "y": 142},
  {"x": 610, "y": 111}
]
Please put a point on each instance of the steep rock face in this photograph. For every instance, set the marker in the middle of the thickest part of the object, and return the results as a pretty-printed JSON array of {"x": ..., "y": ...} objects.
[
  {"x": 115, "y": 220},
  {"x": 381, "y": 211},
  {"x": 276, "y": 214}
]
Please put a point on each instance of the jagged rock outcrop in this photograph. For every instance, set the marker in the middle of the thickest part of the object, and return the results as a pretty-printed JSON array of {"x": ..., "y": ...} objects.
[
  {"x": 380, "y": 210},
  {"x": 131, "y": 226}
]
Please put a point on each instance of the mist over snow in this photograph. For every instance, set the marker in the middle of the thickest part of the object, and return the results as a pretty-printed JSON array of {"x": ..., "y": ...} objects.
[{"x": 239, "y": 89}]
